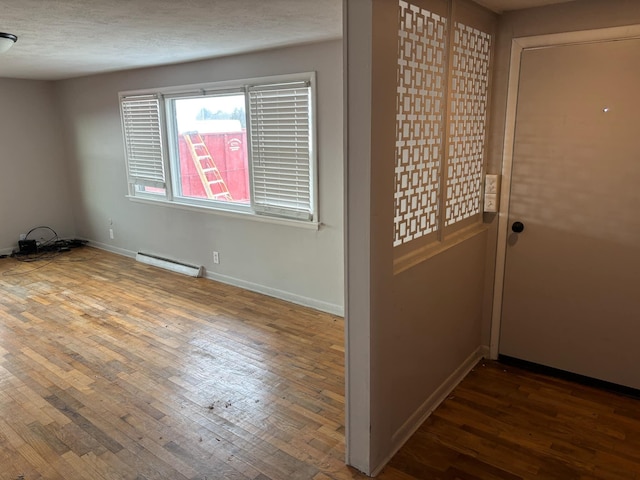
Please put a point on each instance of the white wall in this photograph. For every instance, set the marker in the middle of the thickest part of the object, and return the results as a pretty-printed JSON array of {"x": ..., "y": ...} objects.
[
  {"x": 295, "y": 263},
  {"x": 33, "y": 177}
]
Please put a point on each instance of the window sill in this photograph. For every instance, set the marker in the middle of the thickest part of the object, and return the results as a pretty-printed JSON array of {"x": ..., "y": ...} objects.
[
  {"x": 227, "y": 213},
  {"x": 420, "y": 255}
]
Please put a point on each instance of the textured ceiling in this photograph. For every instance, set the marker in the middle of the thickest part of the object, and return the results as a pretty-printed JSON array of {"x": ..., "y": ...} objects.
[
  {"x": 69, "y": 38},
  {"x": 505, "y": 5}
]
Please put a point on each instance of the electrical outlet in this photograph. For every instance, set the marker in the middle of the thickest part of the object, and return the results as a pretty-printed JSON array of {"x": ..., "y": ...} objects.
[
  {"x": 111, "y": 236},
  {"x": 216, "y": 257}
]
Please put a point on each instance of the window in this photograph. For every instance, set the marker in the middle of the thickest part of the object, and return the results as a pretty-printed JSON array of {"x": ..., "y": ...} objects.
[
  {"x": 209, "y": 144},
  {"x": 243, "y": 146},
  {"x": 143, "y": 144}
]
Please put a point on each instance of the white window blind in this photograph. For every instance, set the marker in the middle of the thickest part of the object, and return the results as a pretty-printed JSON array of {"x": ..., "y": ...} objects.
[
  {"x": 143, "y": 140},
  {"x": 280, "y": 132}
]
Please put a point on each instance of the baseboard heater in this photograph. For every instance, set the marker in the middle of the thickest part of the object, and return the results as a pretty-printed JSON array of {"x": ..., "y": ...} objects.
[{"x": 168, "y": 264}]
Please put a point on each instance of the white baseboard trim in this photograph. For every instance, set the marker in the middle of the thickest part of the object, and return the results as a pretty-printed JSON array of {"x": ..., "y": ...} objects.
[
  {"x": 6, "y": 251},
  {"x": 111, "y": 248},
  {"x": 281, "y": 294},
  {"x": 430, "y": 404},
  {"x": 237, "y": 282}
]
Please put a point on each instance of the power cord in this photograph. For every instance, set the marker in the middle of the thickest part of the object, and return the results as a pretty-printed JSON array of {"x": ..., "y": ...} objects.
[{"x": 47, "y": 245}]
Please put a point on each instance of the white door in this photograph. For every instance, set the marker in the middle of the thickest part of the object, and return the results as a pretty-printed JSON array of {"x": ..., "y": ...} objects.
[{"x": 571, "y": 296}]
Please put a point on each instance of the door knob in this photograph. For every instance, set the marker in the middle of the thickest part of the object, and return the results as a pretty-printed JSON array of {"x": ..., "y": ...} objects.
[{"x": 517, "y": 227}]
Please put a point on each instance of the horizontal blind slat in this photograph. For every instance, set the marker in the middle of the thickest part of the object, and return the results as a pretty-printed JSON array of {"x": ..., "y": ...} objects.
[
  {"x": 143, "y": 139},
  {"x": 280, "y": 143}
]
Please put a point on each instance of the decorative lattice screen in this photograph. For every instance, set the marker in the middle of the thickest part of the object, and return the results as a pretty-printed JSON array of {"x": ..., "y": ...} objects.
[
  {"x": 428, "y": 178},
  {"x": 419, "y": 121},
  {"x": 467, "y": 119}
]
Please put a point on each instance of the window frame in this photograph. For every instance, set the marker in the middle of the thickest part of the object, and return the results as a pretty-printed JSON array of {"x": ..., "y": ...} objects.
[
  {"x": 172, "y": 134},
  {"x": 169, "y": 137}
]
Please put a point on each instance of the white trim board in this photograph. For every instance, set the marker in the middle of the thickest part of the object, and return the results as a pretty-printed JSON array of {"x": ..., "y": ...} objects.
[
  {"x": 254, "y": 287},
  {"x": 518, "y": 45},
  {"x": 111, "y": 248},
  {"x": 358, "y": 101},
  {"x": 274, "y": 292},
  {"x": 402, "y": 435}
]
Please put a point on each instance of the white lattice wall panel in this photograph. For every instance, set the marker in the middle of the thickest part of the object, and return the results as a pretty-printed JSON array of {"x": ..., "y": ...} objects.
[
  {"x": 467, "y": 121},
  {"x": 419, "y": 121}
]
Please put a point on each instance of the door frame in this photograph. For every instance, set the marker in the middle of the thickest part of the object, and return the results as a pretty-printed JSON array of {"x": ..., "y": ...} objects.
[{"x": 518, "y": 45}]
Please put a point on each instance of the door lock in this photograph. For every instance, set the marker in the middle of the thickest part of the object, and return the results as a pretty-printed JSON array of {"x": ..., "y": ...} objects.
[{"x": 517, "y": 227}]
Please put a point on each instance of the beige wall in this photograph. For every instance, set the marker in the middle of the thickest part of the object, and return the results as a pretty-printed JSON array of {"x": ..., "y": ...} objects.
[
  {"x": 567, "y": 17},
  {"x": 298, "y": 264},
  {"x": 415, "y": 328},
  {"x": 34, "y": 189},
  {"x": 357, "y": 112}
]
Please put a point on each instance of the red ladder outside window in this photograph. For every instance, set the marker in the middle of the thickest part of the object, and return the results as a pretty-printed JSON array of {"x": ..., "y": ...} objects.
[{"x": 212, "y": 181}]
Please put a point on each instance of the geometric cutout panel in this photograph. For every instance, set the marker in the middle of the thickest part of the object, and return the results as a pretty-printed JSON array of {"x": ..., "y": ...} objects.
[
  {"x": 419, "y": 121},
  {"x": 468, "y": 96}
]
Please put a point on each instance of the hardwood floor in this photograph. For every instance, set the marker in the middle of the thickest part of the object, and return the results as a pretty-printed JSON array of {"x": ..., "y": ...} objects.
[
  {"x": 502, "y": 422},
  {"x": 110, "y": 369}
]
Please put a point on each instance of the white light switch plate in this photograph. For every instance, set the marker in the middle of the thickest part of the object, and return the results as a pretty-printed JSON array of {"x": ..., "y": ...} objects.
[
  {"x": 491, "y": 184},
  {"x": 491, "y": 203}
]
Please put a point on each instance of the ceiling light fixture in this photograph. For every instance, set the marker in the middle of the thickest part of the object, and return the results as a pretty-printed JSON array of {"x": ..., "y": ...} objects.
[{"x": 6, "y": 41}]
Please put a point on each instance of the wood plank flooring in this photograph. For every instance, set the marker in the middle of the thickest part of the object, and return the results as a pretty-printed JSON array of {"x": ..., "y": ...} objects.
[
  {"x": 505, "y": 423},
  {"x": 110, "y": 369}
]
